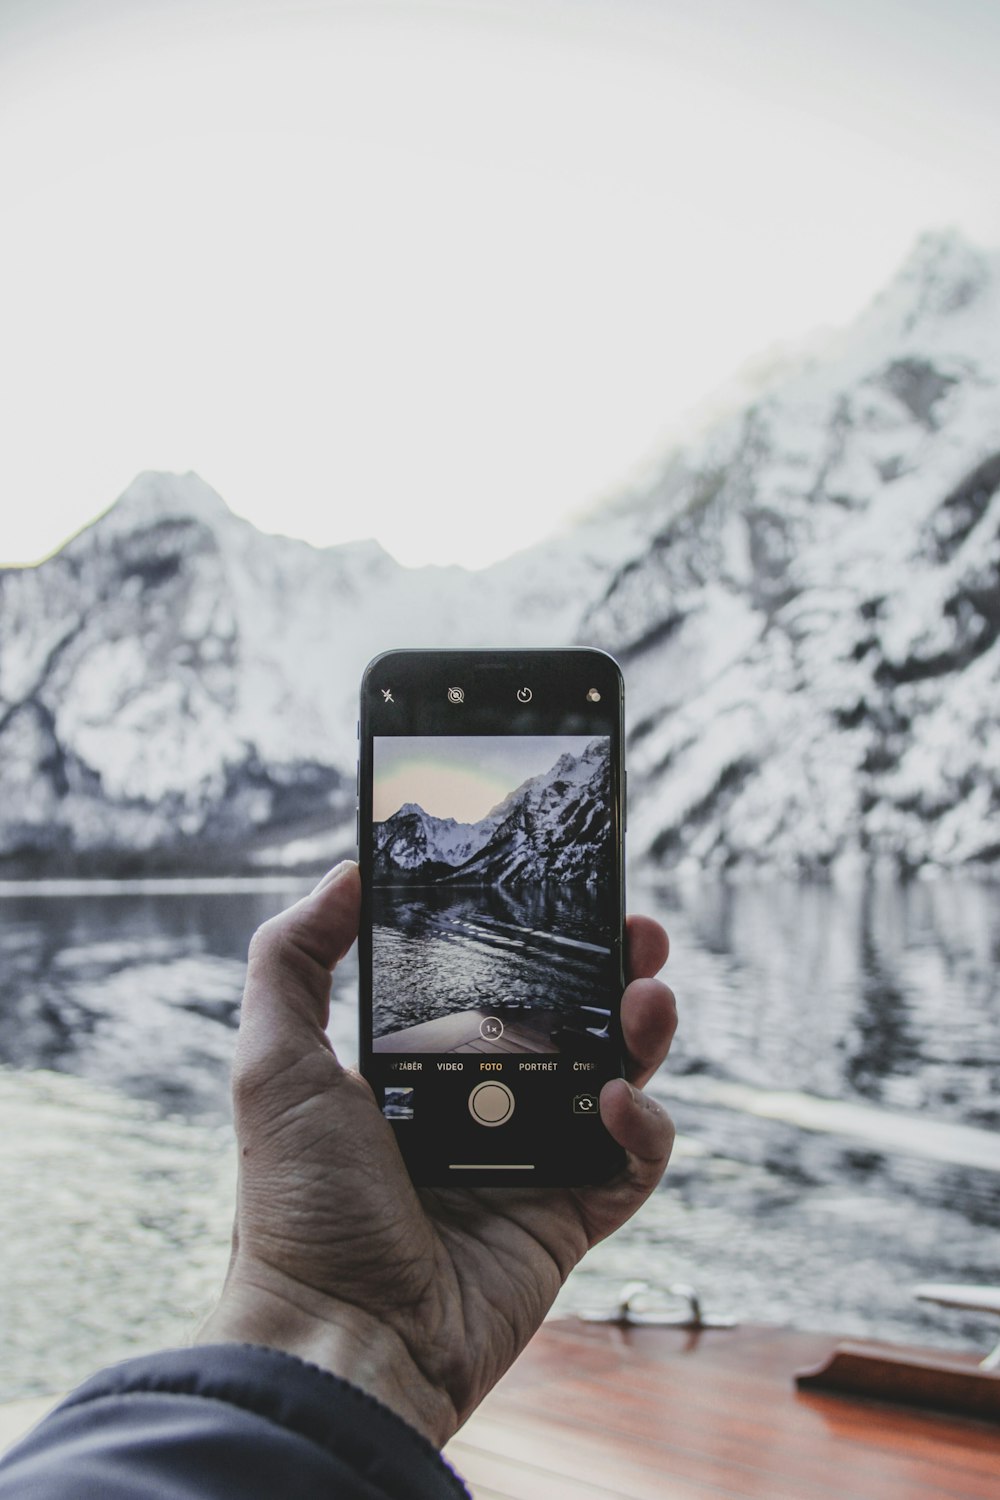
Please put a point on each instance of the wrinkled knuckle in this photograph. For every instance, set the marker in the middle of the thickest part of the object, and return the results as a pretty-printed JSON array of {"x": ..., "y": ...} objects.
[
  {"x": 267, "y": 942},
  {"x": 260, "y": 944},
  {"x": 274, "y": 949}
]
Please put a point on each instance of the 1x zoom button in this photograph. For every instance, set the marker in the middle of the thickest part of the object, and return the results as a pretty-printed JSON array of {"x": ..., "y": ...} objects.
[{"x": 491, "y": 1103}]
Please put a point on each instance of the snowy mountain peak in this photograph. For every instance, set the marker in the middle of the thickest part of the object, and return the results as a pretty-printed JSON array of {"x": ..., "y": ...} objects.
[
  {"x": 579, "y": 767},
  {"x": 942, "y": 284},
  {"x": 154, "y": 497},
  {"x": 944, "y": 264},
  {"x": 414, "y": 840}
]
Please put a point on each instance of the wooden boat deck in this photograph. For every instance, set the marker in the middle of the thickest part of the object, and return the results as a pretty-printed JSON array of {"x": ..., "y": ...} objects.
[
  {"x": 592, "y": 1410},
  {"x": 524, "y": 1032}
]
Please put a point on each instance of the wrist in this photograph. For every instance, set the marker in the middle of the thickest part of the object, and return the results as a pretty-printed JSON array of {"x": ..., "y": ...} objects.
[{"x": 264, "y": 1307}]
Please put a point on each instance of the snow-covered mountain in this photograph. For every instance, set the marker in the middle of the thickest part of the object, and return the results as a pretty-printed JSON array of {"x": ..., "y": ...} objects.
[
  {"x": 806, "y": 601},
  {"x": 811, "y": 632},
  {"x": 177, "y": 687},
  {"x": 554, "y": 826}
]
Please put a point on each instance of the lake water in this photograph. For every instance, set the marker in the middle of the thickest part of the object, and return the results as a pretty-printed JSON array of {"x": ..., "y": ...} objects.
[{"x": 835, "y": 1082}]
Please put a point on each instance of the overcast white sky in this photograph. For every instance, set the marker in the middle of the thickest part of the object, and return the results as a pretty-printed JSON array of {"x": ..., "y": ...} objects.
[
  {"x": 435, "y": 272},
  {"x": 461, "y": 777}
]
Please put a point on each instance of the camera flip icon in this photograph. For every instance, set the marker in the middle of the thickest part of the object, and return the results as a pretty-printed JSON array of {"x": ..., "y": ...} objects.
[{"x": 585, "y": 1104}]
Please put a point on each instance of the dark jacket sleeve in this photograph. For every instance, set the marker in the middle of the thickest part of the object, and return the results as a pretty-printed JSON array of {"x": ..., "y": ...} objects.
[{"x": 219, "y": 1422}]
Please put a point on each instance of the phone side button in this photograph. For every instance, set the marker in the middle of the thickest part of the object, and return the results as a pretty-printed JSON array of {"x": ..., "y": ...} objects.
[{"x": 491, "y": 1103}]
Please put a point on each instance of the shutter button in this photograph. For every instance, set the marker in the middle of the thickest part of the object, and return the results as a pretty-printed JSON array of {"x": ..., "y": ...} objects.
[{"x": 491, "y": 1103}]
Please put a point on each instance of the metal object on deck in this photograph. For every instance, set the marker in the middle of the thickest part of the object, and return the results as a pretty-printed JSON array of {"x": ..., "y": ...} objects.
[{"x": 626, "y": 1314}]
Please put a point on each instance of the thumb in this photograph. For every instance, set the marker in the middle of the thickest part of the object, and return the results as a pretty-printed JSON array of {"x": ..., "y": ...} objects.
[{"x": 291, "y": 958}]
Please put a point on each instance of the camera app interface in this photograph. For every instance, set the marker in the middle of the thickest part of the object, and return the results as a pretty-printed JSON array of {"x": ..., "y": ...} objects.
[{"x": 492, "y": 898}]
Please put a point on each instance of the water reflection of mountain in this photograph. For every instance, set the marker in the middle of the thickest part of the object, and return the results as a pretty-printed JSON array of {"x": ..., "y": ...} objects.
[
  {"x": 883, "y": 990},
  {"x": 544, "y": 948},
  {"x": 137, "y": 991}
]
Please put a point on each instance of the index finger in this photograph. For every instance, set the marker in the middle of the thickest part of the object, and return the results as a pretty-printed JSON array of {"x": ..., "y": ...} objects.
[{"x": 646, "y": 948}]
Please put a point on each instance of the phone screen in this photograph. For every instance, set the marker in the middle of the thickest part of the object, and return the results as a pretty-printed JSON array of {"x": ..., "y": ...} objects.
[{"x": 490, "y": 841}]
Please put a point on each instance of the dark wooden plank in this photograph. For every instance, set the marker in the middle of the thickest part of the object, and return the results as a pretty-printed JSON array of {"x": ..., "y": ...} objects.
[{"x": 938, "y": 1382}]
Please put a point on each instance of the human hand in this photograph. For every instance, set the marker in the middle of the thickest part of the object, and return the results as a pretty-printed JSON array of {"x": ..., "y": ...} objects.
[{"x": 422, "y": 1297}]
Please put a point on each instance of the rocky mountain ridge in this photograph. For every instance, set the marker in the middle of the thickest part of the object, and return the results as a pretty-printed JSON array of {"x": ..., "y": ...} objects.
[
  {"x": 806, "y": 602},
  {"x": 411, "y": 839}
]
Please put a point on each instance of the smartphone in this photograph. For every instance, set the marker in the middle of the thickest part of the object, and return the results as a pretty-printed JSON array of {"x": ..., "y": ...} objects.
[{"x": 491, "y": 816}]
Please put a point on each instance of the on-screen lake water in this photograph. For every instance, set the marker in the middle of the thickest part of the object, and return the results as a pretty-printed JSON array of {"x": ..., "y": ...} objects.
[
  {"x": 438, "y": 951},
  {"x": 835, "y": 1082}
]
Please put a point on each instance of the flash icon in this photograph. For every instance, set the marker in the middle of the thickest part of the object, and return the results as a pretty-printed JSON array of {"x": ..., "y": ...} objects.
[{"x": 387, "y": 695}]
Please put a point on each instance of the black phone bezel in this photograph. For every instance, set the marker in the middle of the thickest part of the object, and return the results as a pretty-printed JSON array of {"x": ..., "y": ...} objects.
[{"x": 559, "y": 679}]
